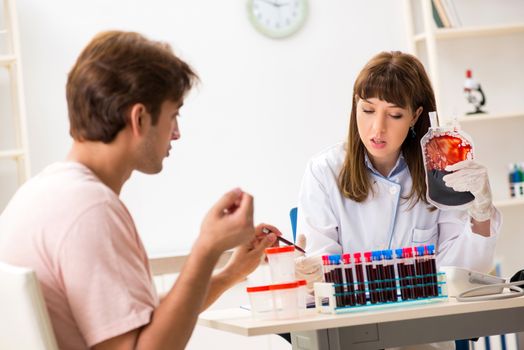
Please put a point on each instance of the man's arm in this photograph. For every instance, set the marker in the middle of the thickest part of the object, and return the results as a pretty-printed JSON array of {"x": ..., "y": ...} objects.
[
  {"x": 228, "y": 224},
  {"x": 174, "y": 319},
  {"x": 244, "y": 260}
]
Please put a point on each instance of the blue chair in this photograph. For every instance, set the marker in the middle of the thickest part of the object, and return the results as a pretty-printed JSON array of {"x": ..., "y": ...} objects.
[
  {"x": 293, "y": 218},
  {"x": 461, "y": 345}
]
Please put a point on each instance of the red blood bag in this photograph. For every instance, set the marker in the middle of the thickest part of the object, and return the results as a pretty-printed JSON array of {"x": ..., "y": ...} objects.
[{"x": 443, "y": 146}]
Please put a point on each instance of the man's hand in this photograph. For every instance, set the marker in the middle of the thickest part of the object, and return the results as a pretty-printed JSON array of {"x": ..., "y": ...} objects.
[
  {"x": 248, "y": 256},
  {"x": 244, "y": 260},
  {"x": 308, "y": 268},
  {"x": 228, "y": 223}
]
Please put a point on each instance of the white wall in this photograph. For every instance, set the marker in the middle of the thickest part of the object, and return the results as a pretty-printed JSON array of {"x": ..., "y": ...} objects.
[{"x": 263, "y": 108}]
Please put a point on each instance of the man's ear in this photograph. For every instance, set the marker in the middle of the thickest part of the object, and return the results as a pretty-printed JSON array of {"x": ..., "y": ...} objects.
[{"x": 137, "y": 118}]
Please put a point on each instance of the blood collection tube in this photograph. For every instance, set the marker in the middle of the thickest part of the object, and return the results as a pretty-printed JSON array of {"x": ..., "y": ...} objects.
[
  {"x": 389, "y": 270},
  {"x": 360, "y": 292},
  {"x": 371, "y": 274},
  {"x": 336, "y": 274},
  {"x": 348, "y": 275},
  {"x": 432, "y": 269},
  {"x": 401, "y": 272},
  {"x": 326, "y": 269},
  {"x": 381, "y": 276},
  {"x": 421, "y": 271},
  {"x": 409, "y": 266}
]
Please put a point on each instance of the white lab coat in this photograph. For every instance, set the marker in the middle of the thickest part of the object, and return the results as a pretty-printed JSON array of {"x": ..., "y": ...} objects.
[{"x": 334, "y": 224}]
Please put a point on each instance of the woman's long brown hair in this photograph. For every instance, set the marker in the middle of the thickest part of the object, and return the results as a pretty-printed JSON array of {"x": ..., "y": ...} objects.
[{"x": 397, "y": 78}]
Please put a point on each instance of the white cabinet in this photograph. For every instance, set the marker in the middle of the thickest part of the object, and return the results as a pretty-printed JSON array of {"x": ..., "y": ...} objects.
[{"x": 491, "y": 43}]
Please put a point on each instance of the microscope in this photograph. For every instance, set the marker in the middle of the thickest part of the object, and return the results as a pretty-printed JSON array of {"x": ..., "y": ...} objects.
[{"x": 474, "y": 93}]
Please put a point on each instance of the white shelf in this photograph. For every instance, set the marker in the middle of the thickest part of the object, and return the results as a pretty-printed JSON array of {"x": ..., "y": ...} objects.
[
  {"x": 506, "y": 203},
  {"x": 489, "y": 117},
  {"x": 12, "y": 153},
  {"x": 6, "y": 60},
  {"x": 170, "y": 263},
  {"x": 452, "y": 33}
]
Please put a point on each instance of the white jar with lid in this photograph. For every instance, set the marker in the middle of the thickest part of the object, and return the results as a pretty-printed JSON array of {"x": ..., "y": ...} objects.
[
  {"x": 302, "y": 296},
  {"x": 285, "y": 297},
  {"x": 281, "y": 264},
  {"x": 261, "y": 300}
]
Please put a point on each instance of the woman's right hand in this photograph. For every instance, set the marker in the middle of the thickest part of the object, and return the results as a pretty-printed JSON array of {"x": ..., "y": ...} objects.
[{"x": 308, "y": 268}]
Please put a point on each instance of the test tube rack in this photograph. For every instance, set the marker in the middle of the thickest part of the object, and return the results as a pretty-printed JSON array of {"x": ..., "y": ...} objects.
[
  {"x": 380, "y": 280},
  {"x": 327, "y": 300}
]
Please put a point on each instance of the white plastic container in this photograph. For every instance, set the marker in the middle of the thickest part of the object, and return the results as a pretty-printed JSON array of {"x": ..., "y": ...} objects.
[
  {"x": 261, "y": 299},
  {"x": 281, "y": 264},
  {"x": 302, "y": 297},
  {"x": 285, "y": 297}
]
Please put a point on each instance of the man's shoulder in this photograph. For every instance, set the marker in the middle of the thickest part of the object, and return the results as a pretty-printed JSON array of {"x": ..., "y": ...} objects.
[
  {"x": 53, "y": 204},
  {"x": 64, "y": 190},
  {"x": 73, "y": 181}
]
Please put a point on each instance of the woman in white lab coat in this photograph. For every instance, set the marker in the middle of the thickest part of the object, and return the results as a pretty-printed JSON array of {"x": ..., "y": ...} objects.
[{"x": 369, "y": 193}]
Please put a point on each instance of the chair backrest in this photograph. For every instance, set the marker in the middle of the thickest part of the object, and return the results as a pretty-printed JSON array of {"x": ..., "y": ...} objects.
[
  {"x": 293, "y": 217},
  {"x": 24, "y": 321}
]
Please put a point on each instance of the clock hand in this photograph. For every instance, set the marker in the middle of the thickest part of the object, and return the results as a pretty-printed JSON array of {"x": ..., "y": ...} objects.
[
  {"x": 277, "y": 4},
  {"x": 274, "y": 4}
]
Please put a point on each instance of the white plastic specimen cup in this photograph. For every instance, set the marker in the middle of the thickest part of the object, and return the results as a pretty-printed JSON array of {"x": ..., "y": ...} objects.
[
  {"x": 285, "y": 296},
  {"x": 261, "y": 299},
  {"x": 302, "y": 296},
  {"x": 281, "y": 264}
]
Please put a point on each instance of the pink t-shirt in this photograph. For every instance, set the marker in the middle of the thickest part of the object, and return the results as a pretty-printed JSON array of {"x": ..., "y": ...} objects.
[{"x": 82, "y": 242}]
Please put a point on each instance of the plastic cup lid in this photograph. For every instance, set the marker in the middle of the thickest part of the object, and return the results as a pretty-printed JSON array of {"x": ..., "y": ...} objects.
[
  {"x": 301, "y": 282},
  {"x": 283, "y": 286},
  {"x": 257, "y": 289},
  {"x": 276, "y": 250}
]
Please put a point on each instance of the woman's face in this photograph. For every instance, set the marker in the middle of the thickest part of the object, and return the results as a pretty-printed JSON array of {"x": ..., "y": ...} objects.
[{"x": 382, "y": 127}]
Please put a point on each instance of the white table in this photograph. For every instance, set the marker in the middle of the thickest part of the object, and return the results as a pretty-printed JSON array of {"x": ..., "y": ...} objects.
[{"x": 378, "y": 329}]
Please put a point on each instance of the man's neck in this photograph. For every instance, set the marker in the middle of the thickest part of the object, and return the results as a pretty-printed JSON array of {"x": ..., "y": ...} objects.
[{"x": 106, "y": 161}]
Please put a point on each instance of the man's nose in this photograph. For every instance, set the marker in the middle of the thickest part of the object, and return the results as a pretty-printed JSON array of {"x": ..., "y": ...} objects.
[{"x": 175, "y": 135}]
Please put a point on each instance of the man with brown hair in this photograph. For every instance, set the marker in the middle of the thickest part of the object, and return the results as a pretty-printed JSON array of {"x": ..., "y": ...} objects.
[{"x": 69, "y": 225}]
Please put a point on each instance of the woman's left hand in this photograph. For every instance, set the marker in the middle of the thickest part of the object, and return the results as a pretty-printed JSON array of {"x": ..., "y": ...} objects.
[{"x": 471, "y": 176}]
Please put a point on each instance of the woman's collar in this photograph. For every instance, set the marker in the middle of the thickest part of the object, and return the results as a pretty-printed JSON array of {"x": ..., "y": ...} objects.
[{"x": 399, "y": 166}]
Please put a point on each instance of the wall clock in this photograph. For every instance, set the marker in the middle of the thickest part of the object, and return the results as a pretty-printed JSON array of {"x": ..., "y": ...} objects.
[{"x": 277, "y": 18}]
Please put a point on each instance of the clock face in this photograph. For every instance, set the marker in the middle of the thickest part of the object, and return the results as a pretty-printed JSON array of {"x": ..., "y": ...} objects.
[{"x": 277, "y": 18}]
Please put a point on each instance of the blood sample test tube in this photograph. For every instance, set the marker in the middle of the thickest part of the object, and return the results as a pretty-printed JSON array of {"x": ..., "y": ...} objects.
[
  {"x": 371, "y": 274},
  {"x": 420, "y": 269},
  {"x": 326, "y": 268},
  {"x": 349, "y": 280},
  {"x": 381, "y": 276},
  {"x": 401, "y": 272},
  {"x": 409, "y": 266},
  {"x": 360, "y": 290},
  {"x": 432, "y": 269},
  {"x": 336, "y": 274},
  {"x": 389, "y": 270}
]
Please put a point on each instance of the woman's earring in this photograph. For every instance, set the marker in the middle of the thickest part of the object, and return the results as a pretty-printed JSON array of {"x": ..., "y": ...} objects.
[{"x": 413, "y": 133}]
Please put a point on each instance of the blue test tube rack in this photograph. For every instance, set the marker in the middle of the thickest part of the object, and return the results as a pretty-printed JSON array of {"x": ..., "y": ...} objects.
[{"x": 410, "y": 278}]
